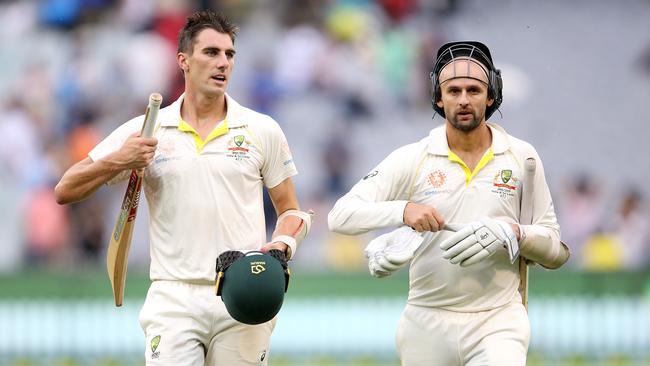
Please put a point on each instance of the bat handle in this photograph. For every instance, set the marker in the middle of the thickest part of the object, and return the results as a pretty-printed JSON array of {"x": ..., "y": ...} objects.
[{"x": 452, "y": 226}]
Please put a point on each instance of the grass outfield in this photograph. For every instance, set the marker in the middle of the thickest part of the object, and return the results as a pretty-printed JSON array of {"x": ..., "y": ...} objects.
[
  {"x": 92, "y": 286},
  {"x": 95, "y": 284},
  {"x": 304, "y": 283},
  {"x": 533, "y": 360}
]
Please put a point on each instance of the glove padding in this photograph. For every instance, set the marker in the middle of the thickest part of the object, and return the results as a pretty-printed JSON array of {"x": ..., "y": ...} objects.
[
  {"x": 478, "y": 240},
  {"x": 389, "y": 252},
  {"x": 224, "y": 261}
]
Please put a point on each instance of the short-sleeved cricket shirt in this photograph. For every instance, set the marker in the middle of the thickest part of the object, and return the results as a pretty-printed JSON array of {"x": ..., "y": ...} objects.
[{"x": 205, "y": 196}]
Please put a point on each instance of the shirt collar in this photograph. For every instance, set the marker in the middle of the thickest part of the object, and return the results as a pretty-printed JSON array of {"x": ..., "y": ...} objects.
[
  {"x": 438, "y": 144},
  {"x": 173, "y": 116}
]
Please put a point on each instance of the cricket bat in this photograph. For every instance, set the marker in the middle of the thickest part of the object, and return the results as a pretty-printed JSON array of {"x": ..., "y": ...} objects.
[
  {"x": 118, "y": 248},
  {"x": 526, "y": 218}
]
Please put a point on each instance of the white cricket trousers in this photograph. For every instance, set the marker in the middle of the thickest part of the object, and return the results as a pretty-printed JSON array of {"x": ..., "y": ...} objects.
[
  {"x": 434, "y": 337},
  {"x": 187, "y": 324}
]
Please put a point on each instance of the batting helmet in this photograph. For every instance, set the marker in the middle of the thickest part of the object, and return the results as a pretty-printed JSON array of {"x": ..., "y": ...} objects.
[
  {"x": 252, "y": 285},
  {"x": 473, "y": 50}
]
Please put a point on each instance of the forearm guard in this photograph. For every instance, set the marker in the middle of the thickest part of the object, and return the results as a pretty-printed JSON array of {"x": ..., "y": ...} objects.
[
  {"x": 291, "y": 228},
  {"x": 539, "y": 246}
]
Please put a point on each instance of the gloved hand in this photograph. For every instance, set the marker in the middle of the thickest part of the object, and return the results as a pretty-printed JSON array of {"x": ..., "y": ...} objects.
[
  {"x": 389, "y": 252},
  {"x": 478, "y": 240}
]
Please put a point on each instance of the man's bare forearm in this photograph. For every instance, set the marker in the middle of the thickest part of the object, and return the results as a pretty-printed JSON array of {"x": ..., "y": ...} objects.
[{"x": 84, "y": 178}]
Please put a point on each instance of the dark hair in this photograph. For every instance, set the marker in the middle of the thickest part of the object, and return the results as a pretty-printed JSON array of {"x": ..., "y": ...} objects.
[{"x": 199, "y": 21}]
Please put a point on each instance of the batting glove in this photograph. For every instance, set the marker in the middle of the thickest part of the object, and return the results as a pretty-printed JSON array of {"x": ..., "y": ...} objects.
[
  {"x": 479, "y": 240},
  {"x": 389, "y": 252}
]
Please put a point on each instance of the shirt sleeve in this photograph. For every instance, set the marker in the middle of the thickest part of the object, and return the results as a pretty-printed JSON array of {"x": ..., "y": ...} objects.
[
  {"x": 541, "y": 239},
  {"x": 278, "y": 161},
  {"x": 113, "y": 142},
  {"x": 378, "y": 199}
]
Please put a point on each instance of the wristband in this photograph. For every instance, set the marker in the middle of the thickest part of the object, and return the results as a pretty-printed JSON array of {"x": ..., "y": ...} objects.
[{"x": 290, "y": 241}]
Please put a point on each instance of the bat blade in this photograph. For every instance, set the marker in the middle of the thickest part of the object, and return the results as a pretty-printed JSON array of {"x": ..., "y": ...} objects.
[
  {"x": 526, "y": 218},
  {"x": 117, "y": 255}
]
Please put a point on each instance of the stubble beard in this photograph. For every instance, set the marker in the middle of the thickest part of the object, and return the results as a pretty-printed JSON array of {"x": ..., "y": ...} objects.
[{"x": 467, "y": 126}]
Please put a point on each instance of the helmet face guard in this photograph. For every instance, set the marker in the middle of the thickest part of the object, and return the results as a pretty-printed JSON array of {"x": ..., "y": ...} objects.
[
  {"x": 476, "y": 52},
  {"x": 252, "y": 285}
]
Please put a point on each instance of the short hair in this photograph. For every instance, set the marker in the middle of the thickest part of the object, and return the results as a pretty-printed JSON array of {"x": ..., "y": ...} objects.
[{"x": 201, "y": 20}]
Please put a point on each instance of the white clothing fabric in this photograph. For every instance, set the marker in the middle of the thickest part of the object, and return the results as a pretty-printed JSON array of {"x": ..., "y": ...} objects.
[
  {"x": 428, "y": 173},
  {"x": 204, "y": 200},
  {"x": 179, "y": 319}
]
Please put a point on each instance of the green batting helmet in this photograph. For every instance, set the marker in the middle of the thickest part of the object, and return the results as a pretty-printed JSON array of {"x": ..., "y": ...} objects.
[{"x": 252, "y": 285}]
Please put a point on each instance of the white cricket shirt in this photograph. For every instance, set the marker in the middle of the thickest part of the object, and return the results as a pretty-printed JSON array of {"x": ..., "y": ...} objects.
[
  {"x": 205, "y": 196},
  {"x": 428, "y": 173}
]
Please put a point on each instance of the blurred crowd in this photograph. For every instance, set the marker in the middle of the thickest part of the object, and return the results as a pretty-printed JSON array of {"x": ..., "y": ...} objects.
[
  {"x": 607, "y": 228},
  {"x": 337, "y": 75}
]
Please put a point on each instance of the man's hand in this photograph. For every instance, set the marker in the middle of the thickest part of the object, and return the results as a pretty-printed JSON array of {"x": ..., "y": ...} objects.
[
  {"x": 389, "y": 252},
  {"x": 422, "y": 218},
  {"x": 478, "y": 240},
  {"x": 275, "y": 245},
  {"x": 136, "y": 152}
]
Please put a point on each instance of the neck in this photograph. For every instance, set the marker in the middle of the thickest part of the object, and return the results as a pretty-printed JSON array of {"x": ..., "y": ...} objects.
[
  {"x": 476, "y": 141},
  {"x": 199, "y": 108}
]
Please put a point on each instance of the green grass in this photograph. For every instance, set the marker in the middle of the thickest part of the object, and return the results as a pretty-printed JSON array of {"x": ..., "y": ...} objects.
[
  {"x": 85, "y": 284},
  {"x": 95, "y": 284},
  {"x": 533, "y": 360}
]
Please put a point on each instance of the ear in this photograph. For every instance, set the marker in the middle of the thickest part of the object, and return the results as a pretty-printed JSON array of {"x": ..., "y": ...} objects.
[
  {"x": 181, "y": 60},
  {"x": 490, "y": 101},
  {"x": 439, "y": 103}
]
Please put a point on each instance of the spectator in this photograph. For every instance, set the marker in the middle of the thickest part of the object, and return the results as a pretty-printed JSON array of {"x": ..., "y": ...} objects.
[
  {"x": 632, "y": 230},
  {"x": 580, "y": 209}
]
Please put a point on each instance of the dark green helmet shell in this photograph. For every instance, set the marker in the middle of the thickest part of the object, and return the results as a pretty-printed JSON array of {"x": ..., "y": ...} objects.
[{"x": 252, "y": 287}]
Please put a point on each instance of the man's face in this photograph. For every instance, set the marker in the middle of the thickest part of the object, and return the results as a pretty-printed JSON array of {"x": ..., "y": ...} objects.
[
  {"x": 209, "y": 66},
  {"x": 464, "y": 94}
]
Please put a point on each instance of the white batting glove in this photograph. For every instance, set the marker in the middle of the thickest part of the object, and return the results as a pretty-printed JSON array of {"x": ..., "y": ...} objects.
[
  {"x": 389, "y": 252},
  {"x": 478, "y": 240}
]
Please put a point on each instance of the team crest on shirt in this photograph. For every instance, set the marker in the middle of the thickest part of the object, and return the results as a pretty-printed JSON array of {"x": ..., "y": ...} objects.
[
  {"x": 505, "y": 184},
  {"x": 238, "y": 147},
  {"x": 155, "y": 342},
  {"x": 506, "y": 175}
]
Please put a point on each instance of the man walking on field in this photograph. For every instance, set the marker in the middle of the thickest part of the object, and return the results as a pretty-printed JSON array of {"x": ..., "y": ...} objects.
[
  {"x": 463, "y": 306},
  {"x": 205, "y": 169}
]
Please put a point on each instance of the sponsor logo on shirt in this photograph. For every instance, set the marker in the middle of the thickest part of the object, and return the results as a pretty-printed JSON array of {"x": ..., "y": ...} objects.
[
  {"x": 262, "y": 357},
  {"x": 370, "y": 175},
  {"x": 165, "y": 151},
  {"x": 437, "y": 178}
]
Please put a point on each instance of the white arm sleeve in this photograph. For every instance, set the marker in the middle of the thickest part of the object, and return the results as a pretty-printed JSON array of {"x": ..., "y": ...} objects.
[
  {"x": 378, "y": 200},
  {"x": 540, "y": 242},
  {"x": 542, "y": 247}
]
